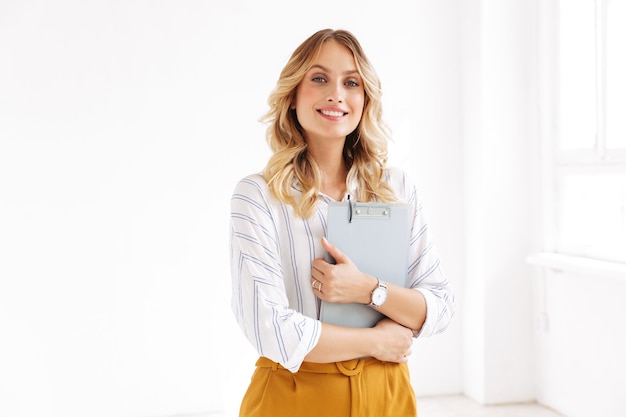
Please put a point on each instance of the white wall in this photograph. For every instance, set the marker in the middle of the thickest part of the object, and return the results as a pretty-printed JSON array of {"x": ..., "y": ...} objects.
[
  {"x": 436, "y": 160},
  {"x": 580, "y": 342},
  {"x": 499, "y": 135},
  {"x": 578, "y": 309},
  {"x": 123, "y": 127},
  {"x": 529, "y": 333}
]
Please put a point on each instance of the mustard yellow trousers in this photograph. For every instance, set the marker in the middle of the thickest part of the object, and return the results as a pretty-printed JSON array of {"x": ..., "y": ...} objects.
[{"x": 355, "y": 388}]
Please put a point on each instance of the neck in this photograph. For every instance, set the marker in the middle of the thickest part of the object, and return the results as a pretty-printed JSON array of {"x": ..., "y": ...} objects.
[
  {"x": 334, "y": 175},
  {"x": 333, "y": 168}
]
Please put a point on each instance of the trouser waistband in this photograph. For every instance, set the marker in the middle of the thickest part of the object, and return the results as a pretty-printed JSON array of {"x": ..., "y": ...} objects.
[{"x": 348, "y": 368}]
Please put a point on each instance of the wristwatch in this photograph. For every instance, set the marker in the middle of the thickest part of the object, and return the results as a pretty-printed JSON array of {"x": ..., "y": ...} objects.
[{"x": 379, "y": 295}]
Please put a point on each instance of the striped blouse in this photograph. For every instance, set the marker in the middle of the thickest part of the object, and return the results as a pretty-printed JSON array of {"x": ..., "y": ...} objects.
[{"x": 272, "y": 250}]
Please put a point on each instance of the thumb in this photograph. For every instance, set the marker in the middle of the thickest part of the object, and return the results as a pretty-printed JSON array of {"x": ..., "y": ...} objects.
[{"x": 334, "y": 251}]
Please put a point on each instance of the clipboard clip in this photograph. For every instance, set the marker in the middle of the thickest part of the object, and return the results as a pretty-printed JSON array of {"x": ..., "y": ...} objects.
[{"x": 367, "y": 211}]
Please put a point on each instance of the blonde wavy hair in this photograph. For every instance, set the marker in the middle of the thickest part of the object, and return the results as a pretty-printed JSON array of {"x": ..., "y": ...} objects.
[{"x": 365, "y": 149}]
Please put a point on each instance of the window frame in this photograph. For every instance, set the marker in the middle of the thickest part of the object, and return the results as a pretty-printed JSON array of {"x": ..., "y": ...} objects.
[{"x": 556, "y": 161}]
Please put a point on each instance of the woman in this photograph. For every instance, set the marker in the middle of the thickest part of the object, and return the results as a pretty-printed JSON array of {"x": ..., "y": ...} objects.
[{"x": 329, "y": 142}]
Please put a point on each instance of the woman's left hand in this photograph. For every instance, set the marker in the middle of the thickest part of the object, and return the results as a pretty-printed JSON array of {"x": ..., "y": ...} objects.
[{"x": 341, "y": 282}]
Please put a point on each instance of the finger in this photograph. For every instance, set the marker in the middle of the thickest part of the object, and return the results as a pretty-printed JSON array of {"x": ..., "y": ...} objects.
[
  {"x": 317, "y": 285},
  {"x": 333, "y": 251},
  {"x": 317, "y": 274},
  {"x": 319, "y": 265}
]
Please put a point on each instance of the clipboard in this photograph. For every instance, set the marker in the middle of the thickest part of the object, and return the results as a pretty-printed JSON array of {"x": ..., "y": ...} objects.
[{"x": 375, "y": 236}]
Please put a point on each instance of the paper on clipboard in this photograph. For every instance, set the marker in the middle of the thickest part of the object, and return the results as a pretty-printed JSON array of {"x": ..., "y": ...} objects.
[{"x": 375, "y": 236}]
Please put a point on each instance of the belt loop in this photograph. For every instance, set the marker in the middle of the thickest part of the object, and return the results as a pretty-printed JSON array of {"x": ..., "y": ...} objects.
[
  {"x": 274, "y": 366},
  {"x": 355, "y": 370}
]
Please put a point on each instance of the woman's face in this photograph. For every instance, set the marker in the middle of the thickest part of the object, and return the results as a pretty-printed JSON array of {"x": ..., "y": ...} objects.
[{"x": 330, "y": 98}]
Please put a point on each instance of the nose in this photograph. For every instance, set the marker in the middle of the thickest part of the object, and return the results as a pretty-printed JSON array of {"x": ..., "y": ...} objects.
[{"x": 336, "y": 93}]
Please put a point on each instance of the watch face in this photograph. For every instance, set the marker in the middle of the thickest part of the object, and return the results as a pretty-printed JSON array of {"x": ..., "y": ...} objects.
[{"x": 379, "y": 296}]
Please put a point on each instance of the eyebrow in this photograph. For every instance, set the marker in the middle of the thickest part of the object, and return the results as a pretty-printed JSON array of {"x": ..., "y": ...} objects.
[{"x": 323, "y": 68}]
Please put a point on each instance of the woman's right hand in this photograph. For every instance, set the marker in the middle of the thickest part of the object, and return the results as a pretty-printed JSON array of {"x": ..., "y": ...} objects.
[{"x": 393, "y": 342}]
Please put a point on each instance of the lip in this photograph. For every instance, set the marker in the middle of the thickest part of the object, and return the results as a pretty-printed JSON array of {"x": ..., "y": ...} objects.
[{"x": 332, "y": 112}]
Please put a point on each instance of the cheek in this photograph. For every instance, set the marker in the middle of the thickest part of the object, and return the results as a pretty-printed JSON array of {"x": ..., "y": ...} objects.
[
  {"x": 358, "y": 104},
  {"x": 304, "y": 95}
]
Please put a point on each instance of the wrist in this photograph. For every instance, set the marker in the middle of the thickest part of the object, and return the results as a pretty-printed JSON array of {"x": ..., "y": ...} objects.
[
  {"x": 372, "y": 284},
  {"x": 379, "y": 294}
]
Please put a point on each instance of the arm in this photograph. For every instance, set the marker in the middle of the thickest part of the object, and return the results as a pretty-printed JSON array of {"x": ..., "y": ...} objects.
[
  {"x": 426, "y": 306},
  {"x": 269, "y": 320},
  {"x": 387, "y": 341},
  {"x": 344, "y": 283}
]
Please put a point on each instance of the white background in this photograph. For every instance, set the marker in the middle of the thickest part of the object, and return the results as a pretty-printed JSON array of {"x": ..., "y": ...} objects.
[{"x": 123, "y": 128}]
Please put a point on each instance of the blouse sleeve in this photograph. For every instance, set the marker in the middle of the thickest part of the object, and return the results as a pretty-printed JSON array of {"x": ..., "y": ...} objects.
[
  {"x": 259, "y": 301},
  {"x": 425, "y": 273}
]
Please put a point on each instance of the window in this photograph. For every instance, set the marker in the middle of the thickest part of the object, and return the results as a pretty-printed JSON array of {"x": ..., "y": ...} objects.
[{"x": 590, "y": 162}]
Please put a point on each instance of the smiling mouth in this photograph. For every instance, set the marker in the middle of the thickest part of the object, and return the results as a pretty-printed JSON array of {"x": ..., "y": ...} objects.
[{"x": 332, "y": 113}]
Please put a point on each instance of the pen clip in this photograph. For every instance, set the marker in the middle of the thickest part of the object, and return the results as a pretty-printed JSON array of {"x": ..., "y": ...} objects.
[{"x": 349, "y": 209}]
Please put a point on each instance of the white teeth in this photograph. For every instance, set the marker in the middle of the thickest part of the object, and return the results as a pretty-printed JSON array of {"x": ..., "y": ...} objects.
[{"x": 332, "y": 113}]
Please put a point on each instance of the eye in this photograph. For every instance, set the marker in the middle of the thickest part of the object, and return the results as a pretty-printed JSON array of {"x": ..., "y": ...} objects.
[
  {"x": 352, "y": 83},
  {"x": 318, "y": 79}
]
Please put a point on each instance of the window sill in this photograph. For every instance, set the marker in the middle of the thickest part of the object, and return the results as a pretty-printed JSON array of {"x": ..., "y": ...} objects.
[{"x": 579, "y": 265}]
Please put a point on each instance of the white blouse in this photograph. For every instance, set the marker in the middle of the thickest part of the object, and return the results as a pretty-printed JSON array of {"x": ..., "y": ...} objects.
[{"x": 272, "y": 250}]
